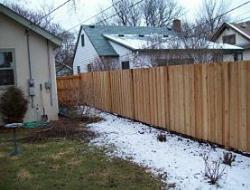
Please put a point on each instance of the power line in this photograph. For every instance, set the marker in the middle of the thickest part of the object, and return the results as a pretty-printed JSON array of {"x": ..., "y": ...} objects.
[
  {"x": 111, "y": 16},
  {"x": 91, "y": 17},
  {"x": 134, "y": 4},
  {"x": 242, "y": 19},
  {"x": 52, "y": 11},
  {"x": 103, "y": 20}
]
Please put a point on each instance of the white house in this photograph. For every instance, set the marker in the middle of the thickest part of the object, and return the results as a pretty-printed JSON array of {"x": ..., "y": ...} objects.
[
  {"x": 236, "y": 34},
  {"x": 132, "y": 47},
  {"x": 27, "y": 61}
]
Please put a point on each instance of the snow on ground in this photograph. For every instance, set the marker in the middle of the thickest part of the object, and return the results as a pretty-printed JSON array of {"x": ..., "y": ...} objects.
[{"x": 178, "y": 159}]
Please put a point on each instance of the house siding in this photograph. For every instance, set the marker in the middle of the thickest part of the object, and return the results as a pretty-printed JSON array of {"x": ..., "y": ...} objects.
[
  {"x": 240, "y": 41},
  {"x": 13, "y": 37},
  {"x": 124, "y": 53},
  {"x": 84, "y": 55}
]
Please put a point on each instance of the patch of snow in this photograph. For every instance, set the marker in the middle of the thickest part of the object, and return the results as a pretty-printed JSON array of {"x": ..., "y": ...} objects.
[
  {"x": 178, "y": 159},
  {"x": 156, "y": 41}
]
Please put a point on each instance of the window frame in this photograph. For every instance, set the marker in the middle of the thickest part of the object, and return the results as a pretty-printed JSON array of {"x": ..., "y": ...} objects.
[
  {"x": 78, "y": 69},
  {"x": 122, "y": 62},
  {"x": 229, "y": 36},
  {"x": 11, "y": 68},
  {"x": 82, "y": 40}
]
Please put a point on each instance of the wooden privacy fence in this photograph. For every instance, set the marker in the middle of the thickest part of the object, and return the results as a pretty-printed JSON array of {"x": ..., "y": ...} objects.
[{"x": 206, "y": 101}]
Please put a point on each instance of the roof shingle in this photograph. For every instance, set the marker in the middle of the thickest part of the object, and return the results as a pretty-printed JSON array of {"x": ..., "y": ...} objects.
[{"x": 101, "y": 44}]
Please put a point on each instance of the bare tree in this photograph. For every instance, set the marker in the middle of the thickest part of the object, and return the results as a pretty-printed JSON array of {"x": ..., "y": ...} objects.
[
  {"x": 211, "y": 15},
  {"x": 103, "y": 64},
  {"x": 160, "y": 13},
  {"x": 37, "y": 18},
  {"x": 127, "y": 14},
  {"x": 156, "y": 13},
  {"x": 65, "y": 53}
]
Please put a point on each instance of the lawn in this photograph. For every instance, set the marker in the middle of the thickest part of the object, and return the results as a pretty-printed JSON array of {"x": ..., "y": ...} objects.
[{"x": 59, "y": 163}]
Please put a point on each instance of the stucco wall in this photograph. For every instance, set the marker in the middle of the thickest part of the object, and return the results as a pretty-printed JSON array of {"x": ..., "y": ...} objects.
[
  {"x": 84, "y": 55},
  {"x": 13, "y": 37}
]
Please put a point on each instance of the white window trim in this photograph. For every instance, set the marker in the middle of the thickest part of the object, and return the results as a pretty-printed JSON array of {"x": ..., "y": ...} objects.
[{"x": 12, "y": 50}]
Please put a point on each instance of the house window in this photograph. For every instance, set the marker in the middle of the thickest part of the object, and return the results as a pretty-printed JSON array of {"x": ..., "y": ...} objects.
[
  {"x": 238, "y": 56},
  {"x": 125, "y": 65},
  {"x": 6, "y": 68},
  {"x": 82, "y": 40},
  {"x": 78, "y": 69},
  {"x": 229, "y": 39}
]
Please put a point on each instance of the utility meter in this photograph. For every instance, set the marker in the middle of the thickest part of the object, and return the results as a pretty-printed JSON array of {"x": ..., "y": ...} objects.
[
  {"x": 47, "y": 85},
  {"x": 31, "y": 86}
]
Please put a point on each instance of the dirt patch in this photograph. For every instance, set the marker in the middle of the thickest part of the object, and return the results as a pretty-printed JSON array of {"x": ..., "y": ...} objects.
[
  {"x": 60, "y": 155},
  {"x": 55, "y": 168},
  {"x": 87, "y": 119},
  {"x": 23, "y": 174},
  {"x": 74, "y": 162},
  {"x": 2, "y": 155},
  {"x": 63, "y": 128}
]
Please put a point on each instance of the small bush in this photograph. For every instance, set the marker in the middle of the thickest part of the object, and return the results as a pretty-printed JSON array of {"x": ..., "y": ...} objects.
[
  {"x": 213, "y": 169},
  {"x": 13, "y": 105},
  {"x": 228, "y": 158},
  {"x": 91, "y": 119},
  {"x": 161, "y": 137}
]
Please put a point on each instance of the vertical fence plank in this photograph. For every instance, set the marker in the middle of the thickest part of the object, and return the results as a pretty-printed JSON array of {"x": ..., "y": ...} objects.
[
  {"x": 233, "y": 104},
  {"x": 242, "y": 127},
  {"x": 225, "y": 103},
  {"x": 166, "y": 97},
  {"x": 189, "y": 100},
  {"x": 248, "y": 105}
]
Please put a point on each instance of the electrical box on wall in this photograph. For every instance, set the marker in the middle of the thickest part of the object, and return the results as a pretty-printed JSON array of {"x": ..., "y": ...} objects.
[
  {"x": 47, "y": 85},
  {"x": 31, "y": 87}
]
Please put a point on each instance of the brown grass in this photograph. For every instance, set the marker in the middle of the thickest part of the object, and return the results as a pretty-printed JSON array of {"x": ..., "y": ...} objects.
[{"x": 23, "y": 174}]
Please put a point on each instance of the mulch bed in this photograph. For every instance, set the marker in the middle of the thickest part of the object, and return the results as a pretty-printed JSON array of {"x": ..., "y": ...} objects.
[{"x": 72, "y": 129}]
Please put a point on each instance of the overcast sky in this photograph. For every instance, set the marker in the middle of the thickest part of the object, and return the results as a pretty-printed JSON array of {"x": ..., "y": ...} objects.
[{"x": 68, "y": 17}]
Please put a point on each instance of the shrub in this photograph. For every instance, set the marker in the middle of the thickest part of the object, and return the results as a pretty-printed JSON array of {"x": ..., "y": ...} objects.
[
  {"x": 228, "y": 158},
  {"x": 162, "y": 137},
  {"x": 213, "y": 169},
  {"x": 13, "y": 105}
]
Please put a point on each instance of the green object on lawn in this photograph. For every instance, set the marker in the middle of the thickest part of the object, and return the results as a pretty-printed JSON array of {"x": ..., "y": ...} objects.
[
  {"x": 35, "y": 124},
  {"x": 13, "y": 126}
]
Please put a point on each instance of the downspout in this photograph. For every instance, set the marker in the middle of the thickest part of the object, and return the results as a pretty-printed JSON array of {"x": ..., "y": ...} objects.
[
  {"x": 50, "y": 81},
  {"x": 29, "y": 64}
]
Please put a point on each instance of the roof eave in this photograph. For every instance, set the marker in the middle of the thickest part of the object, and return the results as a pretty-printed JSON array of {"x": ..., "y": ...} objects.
[
  {"x": 124, "y": 45},
  {"x": 28, "y": 24},
  {"x": 219, "y": 31}
]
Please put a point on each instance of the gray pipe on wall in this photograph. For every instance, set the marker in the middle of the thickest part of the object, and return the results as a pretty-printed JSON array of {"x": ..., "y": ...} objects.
[
  {"x": 29, "y": 64},
  {"x": 50, "y": 81}
]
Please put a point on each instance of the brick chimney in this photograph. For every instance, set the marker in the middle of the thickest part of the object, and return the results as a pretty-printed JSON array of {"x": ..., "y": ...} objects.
[{"x": 176, "y": 25}]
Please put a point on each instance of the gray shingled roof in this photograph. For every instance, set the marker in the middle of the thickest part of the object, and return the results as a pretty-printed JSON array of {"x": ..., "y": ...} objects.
[
  {"x": 101, "y": 44},
  {"x": 244, "y": 27}
]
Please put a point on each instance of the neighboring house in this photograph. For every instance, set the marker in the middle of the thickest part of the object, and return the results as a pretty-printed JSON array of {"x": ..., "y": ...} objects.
[
  {"x": 235, "y": 34},
  {"x": 27, "y": 61},
  {"x": 63, "y": 70},
  {"x": 127, "y": 47}
]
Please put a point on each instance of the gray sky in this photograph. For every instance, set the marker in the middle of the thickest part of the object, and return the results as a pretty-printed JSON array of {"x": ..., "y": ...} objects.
[{"x": 68, "y": 17}]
